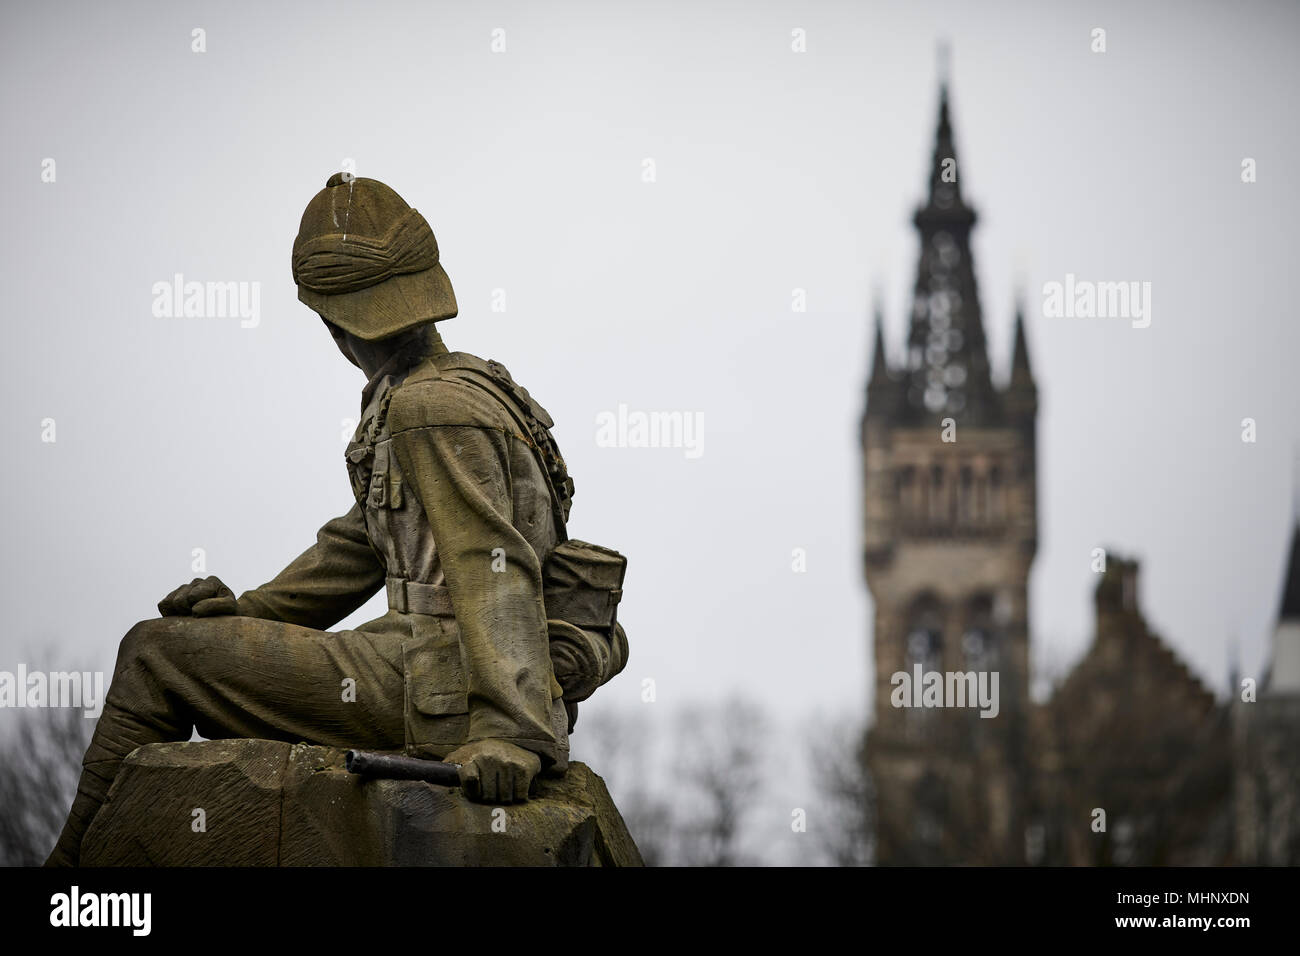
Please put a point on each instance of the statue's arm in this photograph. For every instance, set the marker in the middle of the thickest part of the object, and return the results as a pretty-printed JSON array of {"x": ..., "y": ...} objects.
[
  {"x": 453, "y": 447},
  {"x": 325, "y": 583}
]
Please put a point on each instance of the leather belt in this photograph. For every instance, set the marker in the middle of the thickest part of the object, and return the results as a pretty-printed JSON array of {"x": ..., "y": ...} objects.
[{"x": 412, "y": 597}]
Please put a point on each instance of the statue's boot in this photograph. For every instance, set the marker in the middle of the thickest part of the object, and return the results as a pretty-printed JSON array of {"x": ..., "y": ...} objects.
[{"x": 96, "y": 778}]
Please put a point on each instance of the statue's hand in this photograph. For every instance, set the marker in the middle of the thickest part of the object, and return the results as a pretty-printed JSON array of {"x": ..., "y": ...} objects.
[
  {"x": 494, "y": 771},
  {"x": 202, "y": 597}
]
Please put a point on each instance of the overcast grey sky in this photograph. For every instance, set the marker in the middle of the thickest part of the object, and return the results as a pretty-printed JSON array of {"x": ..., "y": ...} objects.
[{"x": 775, "y": 170}]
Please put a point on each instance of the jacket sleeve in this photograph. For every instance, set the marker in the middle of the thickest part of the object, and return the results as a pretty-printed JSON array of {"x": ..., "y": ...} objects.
[
  {"x": 325, "y": 583},
  {"x": 453, "y": 444}
]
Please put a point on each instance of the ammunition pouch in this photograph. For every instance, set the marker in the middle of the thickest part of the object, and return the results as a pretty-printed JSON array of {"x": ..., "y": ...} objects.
[{"x": 582, "y": 584}]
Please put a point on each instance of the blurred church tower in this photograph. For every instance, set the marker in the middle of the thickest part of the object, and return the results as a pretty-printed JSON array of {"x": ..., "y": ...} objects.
[{"x": 950, "y": 531}]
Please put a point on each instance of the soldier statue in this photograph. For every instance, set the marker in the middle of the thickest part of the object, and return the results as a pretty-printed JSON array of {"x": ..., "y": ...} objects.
[{"x": 497, "y": 623}]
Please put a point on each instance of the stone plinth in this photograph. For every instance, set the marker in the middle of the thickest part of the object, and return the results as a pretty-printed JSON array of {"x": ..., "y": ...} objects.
[{"x": 268, "y": 803}]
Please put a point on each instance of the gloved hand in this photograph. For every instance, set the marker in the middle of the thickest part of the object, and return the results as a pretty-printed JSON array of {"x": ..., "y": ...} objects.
[
  {"x": 494, "y": 771},
  {"x": 202, "y": 597}
]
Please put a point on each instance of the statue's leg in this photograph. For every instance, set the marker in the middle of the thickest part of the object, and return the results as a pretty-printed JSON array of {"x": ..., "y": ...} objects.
[{"x": 237, "y": 677}]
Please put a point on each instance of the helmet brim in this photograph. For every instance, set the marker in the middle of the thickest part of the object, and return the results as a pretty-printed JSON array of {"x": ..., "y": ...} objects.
[{"x": 398, "y": 303}]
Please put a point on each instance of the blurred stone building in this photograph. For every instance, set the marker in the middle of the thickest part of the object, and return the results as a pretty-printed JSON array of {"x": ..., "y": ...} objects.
[
  {"x": 1266, "y": 742},
  {"x": 1132, "y": 732},
  {"x": 1132, "y": 760}
]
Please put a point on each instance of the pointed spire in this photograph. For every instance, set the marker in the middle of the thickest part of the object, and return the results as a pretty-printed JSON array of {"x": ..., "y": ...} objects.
[
  {"x": 1234, "y": 666},
  {"x": 944, "y": 201},
  {"x": 1290, "y": 609},
  {"x": 1020, "y": 399},
  {"x": 879, "y": 363},
  {"x": 947, "y": 362},
  {"x": 884, "y": 391},
  {"x": 1283, "y": 674},
  {"x": 1295, "y": 485},
  {"x": 1021, "y": 375}
]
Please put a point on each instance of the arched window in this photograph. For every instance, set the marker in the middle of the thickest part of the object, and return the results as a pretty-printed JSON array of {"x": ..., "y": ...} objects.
[
  {"x": 980, "y": 641},
  {"x": 923, "y": 649},
  {"x": 924, "y": 634},
  {"x": 929, "y": 811}
]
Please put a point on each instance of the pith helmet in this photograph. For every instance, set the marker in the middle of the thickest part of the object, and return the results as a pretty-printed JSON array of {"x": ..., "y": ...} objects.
[{"x": 368, "y": 262}]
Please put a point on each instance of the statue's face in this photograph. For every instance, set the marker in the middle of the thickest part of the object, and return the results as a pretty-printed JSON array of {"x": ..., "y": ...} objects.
[
  {"x": 341, "y": 340},
  {"x": 370, "y": 357}
]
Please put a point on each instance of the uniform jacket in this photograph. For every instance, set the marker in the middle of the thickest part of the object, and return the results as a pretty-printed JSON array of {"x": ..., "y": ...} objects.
[{"x": 454, "y": 518}]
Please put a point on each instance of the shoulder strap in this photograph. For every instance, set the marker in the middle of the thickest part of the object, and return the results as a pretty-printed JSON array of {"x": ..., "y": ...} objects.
[{"x": 533, "y": 421}]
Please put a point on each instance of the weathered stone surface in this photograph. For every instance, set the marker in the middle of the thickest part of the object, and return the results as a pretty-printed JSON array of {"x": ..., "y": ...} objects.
[{"x": 268, "y": 803}]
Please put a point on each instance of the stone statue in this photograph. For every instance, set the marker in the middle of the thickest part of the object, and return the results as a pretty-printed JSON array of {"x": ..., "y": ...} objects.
[{"x": 498, "y": 624}]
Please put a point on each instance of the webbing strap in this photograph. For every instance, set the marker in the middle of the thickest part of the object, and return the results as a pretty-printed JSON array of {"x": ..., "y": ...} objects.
[
  {"x": 484, "y": 375},
  {"x": 487, "y": 382}
]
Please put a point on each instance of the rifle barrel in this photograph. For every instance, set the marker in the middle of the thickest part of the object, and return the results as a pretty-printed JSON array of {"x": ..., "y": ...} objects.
[{"x": 397, "y": 767}]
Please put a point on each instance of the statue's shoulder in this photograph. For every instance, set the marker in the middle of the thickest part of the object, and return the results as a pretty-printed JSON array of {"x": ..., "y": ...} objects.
[{"x": 444, "y": 390}]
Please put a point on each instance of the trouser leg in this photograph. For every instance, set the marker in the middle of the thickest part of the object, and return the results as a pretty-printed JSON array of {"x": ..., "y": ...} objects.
[{"x": 237, "y": 677}]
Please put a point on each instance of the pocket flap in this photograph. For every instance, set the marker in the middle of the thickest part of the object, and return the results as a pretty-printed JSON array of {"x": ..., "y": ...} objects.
[{"x": 435, "y": 668}]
